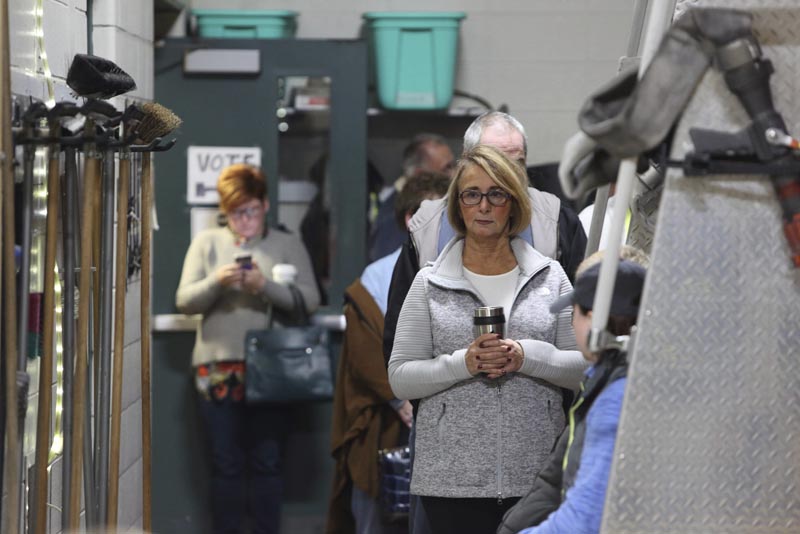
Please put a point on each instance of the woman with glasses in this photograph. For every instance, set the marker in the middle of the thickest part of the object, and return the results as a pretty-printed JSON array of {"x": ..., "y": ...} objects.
[
  {"x": 490, "y": 406},
  {"x": 227, "y": 277}
]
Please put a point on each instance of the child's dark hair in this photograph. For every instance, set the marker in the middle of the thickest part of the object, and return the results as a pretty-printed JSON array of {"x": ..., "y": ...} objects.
[
  {"x": 421, "y": 186},
  {"x": 618, "y": 325}
]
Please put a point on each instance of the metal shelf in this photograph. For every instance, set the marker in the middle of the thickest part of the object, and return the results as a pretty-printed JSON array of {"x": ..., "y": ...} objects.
[
  {"x": 470, "y": 112},
  {"x": 169, "y": 5},
  {"x": 165, "y": 14},
  {"x": 383, "y": 122}
]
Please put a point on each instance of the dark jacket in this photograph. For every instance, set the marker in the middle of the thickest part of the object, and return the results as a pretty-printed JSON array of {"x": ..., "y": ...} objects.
[
  {"x": 558, "y": 475},
  {"x": 363, "y": 420},
  {"x": 544, "y": 177},
  {"x": 385, "y": 235}
]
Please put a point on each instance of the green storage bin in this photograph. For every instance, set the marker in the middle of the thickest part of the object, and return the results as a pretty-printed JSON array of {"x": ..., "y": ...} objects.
[
  {"x": 245, "y": 24},
  {"x": 414, "y": 55}
]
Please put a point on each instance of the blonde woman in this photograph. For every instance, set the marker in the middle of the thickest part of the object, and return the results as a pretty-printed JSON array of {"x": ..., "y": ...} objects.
[{"x": 490, "y": 409}]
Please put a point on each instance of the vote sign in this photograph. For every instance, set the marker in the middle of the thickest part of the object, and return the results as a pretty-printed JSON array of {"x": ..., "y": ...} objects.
[{"x": 204, "y": 163}]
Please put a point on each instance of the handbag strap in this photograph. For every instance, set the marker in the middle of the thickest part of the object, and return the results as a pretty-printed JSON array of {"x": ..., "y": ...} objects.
[{"x": 299, "y": 310}]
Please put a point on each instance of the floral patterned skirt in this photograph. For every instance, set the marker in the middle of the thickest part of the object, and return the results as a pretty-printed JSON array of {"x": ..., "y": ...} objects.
[{"x": 220, "y": 380}]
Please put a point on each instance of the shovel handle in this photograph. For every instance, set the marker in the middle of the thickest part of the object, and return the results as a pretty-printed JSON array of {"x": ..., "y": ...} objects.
[
  {"x": 147, "y": 209},
  {"x": 121, "y": 272},
  {"x": 89, "y": 207},
  {"x": 44, "y": 414}
]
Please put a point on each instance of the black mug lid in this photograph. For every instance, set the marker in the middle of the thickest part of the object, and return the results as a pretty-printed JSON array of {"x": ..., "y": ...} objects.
[{"x": 494, "y": 319}]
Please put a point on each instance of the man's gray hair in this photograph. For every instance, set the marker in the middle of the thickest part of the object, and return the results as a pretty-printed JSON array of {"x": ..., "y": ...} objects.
[
  {"x": 472, "y": 137},
  {"x": 414, "y": 155}
]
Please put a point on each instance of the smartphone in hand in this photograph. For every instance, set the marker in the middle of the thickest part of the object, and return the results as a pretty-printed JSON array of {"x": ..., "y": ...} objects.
[{"x": 244, "y": 260}]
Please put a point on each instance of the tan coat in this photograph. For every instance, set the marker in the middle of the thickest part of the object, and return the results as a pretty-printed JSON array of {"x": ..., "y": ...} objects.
[{"x": 363, "y": 420}]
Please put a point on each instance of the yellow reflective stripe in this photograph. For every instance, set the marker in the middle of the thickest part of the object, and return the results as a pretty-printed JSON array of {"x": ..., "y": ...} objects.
[
  {"x": 374, "y": 207},
  {"x": 627, "y": 222},
  {"x": 571, "y": 429}
]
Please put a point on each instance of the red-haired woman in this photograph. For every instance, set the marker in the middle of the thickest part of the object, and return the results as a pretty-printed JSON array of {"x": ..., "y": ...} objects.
[{"x": 233, "y": 297}]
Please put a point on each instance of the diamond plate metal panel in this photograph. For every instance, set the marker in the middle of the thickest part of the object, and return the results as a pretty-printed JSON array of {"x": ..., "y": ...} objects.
[{"x": 709, "y": 438}]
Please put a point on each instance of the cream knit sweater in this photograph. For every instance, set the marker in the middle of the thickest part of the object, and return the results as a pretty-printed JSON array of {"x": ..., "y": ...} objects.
[{"x": 229, "y": 312}]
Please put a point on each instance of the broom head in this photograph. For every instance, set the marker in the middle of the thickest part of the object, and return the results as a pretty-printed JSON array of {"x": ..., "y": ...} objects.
[
  {"x": 97, "y": 77},
  {"x": 158, "y": 121}
]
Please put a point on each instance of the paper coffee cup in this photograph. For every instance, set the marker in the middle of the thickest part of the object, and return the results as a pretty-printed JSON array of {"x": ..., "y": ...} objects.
[{"x": 284, "y": 273}]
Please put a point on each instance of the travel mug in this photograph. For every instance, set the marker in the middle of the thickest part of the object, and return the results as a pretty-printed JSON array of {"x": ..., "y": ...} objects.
[{"x": 489, "y": 320}]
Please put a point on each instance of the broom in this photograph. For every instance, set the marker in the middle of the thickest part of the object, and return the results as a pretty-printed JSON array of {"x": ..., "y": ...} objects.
[
  {"x": 158, "y": 121},
  {"x": 123, "y": 193},
  {"x": 91, "y": 77}
]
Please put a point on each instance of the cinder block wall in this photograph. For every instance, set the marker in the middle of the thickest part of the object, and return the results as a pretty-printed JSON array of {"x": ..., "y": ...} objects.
[
  {"x": 123, "y": 32},
  {"x": 541, "y": 57}
]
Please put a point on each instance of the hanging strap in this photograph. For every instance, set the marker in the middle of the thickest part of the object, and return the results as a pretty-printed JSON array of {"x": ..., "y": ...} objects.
[
  {"x": 299, "y": 314},
  {"x": 629, "y": 116}
]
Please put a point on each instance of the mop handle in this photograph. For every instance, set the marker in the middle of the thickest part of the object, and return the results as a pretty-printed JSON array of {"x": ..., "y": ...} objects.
[
  {"x": 44, "y": 417},
  {"x": 119, "y": 337}
]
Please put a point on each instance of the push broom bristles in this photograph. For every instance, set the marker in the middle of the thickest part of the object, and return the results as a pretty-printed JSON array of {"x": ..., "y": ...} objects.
[{"x": 158, "y": 121}]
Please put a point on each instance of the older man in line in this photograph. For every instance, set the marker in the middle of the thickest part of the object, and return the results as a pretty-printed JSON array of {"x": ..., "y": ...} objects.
[{"x": 426, "y": 152}]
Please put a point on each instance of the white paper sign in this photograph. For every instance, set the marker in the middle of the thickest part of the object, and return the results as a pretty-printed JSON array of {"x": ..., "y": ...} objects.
[{"x": 204, "y": 165}]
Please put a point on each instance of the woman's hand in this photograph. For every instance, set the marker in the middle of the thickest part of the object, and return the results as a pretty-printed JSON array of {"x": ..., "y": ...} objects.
[
  {"x": 253, "y": 280},
  {"x": 514, "y": 359},
  {"x": 489, "y": 354},
  {"x": 229, "y": 275},
  {"x": 406, "y": 413}
]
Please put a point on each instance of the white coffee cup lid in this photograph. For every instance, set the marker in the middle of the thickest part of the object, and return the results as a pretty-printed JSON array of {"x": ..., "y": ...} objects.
[{"x": 284, "y": 272}]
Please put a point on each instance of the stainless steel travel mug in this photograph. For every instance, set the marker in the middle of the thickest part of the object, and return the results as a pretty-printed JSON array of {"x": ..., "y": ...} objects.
[{"x": 489, "y": 320}]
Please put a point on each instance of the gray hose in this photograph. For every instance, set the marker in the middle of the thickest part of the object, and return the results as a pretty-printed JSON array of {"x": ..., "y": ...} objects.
[
  {"x": 103, "y": 360},
  {"x": 23, "y": 305},
  {"x": 88, "y": 464},
  {"x": 69, "y": 214},
  {"x": 25, "y": 261}
]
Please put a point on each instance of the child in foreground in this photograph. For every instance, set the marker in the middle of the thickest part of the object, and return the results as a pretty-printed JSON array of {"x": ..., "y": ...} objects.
[{"x": 569, "y": 492}]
